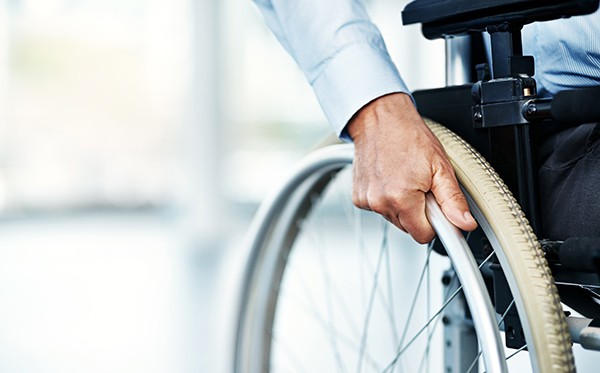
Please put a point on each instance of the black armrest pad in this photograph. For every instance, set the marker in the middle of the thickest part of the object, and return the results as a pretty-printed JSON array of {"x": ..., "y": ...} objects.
[{"x": 449, "y": 17}]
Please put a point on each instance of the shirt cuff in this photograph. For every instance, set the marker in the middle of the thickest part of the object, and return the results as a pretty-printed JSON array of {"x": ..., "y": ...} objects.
[{"x": 354, "y": 77}]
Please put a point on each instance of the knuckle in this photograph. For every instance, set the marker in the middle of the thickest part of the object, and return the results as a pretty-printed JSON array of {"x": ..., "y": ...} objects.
[
  {"x": 446, "y": 166},
  {"x": 454, "y": 197},
  {"x": 404, "y": 208},
  {"x": 422, "y": 234},
  {"x": 424, "y": 238},
  {"x": 418, "y": 227},
  {"x": 444, "y": 169},
  {"x": 379, "y": 204},
  {"x": 385, "y": 200},
  {"x": 356, "y": 200},
  {"x": 359, "y": 197}
]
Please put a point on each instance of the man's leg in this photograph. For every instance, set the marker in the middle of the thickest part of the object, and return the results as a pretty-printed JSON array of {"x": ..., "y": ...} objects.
[{"x": 570, "y": 183}]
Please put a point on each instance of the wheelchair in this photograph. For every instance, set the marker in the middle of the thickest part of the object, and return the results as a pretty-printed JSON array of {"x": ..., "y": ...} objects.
[{"x": 330, "y": 288}]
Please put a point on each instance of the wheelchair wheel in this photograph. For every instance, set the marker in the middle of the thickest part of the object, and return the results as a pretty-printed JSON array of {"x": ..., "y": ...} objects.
[{"x": 329, "y": 287}]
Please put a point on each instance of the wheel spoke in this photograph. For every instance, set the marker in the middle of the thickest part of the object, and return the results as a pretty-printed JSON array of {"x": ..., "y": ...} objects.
[
  {"x": 391, "y": 308},
  {"x": 516, "y": 352},
  {"x": 340, "y": 335},
  {"x": 333, "y": 290},
  {"x": 415, "y": 297},
  {"x": 330, "y": 290},
  {"x": 374, "y": 287},
  {"x": 431, "y": 331},
  {"x": 298, "y": 363},
  {"x": 473, "y": 364},
  {"x": 401, "y": 349}
]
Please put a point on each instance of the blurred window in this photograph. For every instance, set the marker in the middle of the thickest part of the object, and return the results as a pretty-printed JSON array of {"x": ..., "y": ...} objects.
[
  {"x": 273, "y": 116},
  {"x": 91, "y": 97}
]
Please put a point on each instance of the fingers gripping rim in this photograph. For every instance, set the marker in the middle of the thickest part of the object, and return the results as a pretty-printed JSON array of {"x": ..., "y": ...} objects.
[{"x": 518, "y": 251}]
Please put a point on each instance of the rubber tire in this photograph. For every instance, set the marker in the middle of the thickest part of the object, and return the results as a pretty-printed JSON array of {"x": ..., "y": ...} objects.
[{"x": 516, "y": 247}]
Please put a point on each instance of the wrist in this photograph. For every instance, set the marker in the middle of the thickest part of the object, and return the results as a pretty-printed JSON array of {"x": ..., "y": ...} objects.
[{"x": 391, "y": 108}]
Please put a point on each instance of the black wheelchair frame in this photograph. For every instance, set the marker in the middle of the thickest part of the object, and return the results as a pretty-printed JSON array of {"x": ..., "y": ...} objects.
[{"x": 500, "y": 114}]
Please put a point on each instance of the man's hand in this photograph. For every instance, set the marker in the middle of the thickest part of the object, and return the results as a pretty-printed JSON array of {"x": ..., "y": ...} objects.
[{"x": 397, "y": 160}]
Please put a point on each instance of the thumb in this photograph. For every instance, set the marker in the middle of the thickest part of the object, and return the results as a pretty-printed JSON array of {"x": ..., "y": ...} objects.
[{"x": 452, "y": 201}]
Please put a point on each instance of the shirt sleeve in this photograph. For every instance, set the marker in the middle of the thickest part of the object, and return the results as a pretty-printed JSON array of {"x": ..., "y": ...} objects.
[{"x": 340, "y": 51}]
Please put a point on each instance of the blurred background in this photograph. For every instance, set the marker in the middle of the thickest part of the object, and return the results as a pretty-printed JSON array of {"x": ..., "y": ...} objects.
[{"x": 137, "y": 139}]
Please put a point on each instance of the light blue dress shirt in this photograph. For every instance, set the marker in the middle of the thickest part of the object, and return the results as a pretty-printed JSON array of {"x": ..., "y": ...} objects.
[
  {"x": 344, "y": 57},
  {"x": 566, "y": 51}
]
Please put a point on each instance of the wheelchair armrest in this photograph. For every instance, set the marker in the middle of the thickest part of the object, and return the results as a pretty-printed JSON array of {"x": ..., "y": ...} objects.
[
  {"x": 581, "y": 254},
  {"x": 577, "y": 106},
  {"x": 452, "y": 17}
]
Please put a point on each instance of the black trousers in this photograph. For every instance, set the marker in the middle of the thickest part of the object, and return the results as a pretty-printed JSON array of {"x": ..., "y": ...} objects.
[{"x": 569, "y": 178}]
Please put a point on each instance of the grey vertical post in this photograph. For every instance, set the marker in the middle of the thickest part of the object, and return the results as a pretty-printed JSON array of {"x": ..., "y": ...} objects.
[
  {"x": 201, "y": 203},
  {"x": 458, "y": 60},
  {"x": 5, "y": 32}
]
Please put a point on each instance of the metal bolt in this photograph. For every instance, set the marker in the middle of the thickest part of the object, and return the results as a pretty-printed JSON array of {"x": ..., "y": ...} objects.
[
  {"x": 531, "y": 109},
  {"x": 446, "y": 279},
  {"x": 477, "y": 116}
]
